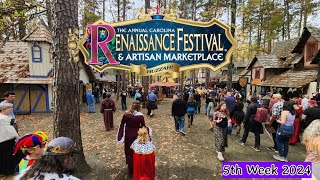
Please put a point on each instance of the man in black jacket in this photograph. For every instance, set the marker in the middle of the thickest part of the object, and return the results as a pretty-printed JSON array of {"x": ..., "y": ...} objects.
[
  {"x": 179, "y": 110},
  {"x": 250, "y": 125}
]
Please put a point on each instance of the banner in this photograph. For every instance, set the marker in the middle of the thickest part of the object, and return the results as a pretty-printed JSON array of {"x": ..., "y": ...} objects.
[
  {"x": 157, "y": 44},
  {"x": 243, "y": 81}
]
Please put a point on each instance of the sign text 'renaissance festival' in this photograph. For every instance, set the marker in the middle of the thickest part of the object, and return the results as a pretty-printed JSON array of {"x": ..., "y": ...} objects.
[{"x": 140, "y": 44}]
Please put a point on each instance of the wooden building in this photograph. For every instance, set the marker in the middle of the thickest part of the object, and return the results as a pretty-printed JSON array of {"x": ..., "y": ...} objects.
[
  {"x": 26, "y": 68},
  {"x": 266, "y": 66},
  {"x": 302, "y": 73}
]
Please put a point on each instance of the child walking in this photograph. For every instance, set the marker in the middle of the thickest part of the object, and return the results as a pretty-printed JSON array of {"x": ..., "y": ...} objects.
[{"x": 143, "y": 156}]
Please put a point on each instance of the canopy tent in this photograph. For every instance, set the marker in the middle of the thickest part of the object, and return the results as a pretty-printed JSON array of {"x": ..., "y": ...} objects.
[{"x": 164, "y": 84}]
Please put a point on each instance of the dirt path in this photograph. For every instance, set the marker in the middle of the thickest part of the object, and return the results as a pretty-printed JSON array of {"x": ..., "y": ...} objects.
[{"x": 177, "y": 157}]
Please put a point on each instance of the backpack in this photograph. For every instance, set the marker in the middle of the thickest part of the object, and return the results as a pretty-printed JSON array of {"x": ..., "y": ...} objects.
[{"x": 261, "y": 115}]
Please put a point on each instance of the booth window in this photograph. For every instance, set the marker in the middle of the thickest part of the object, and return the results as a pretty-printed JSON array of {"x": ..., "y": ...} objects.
[
  {"x": 312, "y": 50},
  {"x": 36, "y": 53},
  {"x": 257, "y": 75}
]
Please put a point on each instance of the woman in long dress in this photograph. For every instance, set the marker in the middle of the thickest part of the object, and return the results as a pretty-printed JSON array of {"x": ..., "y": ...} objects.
[
  {"x": 221, "y": 117},
  {"x": 131, "y": 121},
  {"x": 298, "y": 112}
]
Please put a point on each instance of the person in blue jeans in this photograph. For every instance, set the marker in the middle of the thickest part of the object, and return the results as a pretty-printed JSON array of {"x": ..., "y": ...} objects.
[
  {"x": 90, "y": 101},
  {"x": 191, "y": 109},
  {"x": 285, "y": 131},
  {"x": 179, "y": 109},
  {"x": 124, "y": 95}
]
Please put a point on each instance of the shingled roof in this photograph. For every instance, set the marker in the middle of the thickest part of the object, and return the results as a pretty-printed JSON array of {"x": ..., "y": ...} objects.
[
  {"x": 294, "y": 58},
  {"x": 292, "y": 78},
  {"x": 240, "y": 64},
  {"x": 283, "y": 49},
  {"x": 269, "y": 61},
  {"x": 307, "y": 32},
  {"x": 39, "y": 33},
  {"x": 14, "y": 61}
]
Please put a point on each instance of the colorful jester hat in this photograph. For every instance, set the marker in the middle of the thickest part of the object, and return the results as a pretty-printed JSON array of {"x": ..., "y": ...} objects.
[
  {"x": 43, "y": 136},
  {"x": 28, "y": 141}
]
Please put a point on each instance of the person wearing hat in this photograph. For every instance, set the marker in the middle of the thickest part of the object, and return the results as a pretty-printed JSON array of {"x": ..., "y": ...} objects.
[
  {"x": 55, "y": 162},
  {"x": 8, "y": 136},
  {"x": 310, "y": 114},
  {"x": 32, "y": 146}
]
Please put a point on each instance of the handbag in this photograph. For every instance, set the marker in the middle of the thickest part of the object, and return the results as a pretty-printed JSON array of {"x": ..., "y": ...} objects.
[{"x": 285, "y": 130}]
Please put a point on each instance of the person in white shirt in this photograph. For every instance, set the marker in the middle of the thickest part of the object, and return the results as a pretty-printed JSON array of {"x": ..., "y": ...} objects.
[
  {"x": 305, "y": 102},
  {"x": 8, "y": 135}
]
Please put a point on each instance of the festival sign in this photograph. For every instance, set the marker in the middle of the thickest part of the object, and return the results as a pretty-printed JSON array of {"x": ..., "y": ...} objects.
[{"x": 157, "y": 44}]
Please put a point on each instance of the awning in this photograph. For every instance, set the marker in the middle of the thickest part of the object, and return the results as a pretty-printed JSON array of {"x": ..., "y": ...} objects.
[
  {"x": 30, "y": 81},
  {"x": 292, "y": 79}
]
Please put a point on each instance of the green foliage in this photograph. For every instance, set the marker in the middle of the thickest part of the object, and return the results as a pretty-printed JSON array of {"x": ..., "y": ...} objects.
[
  {"x": 89, "y": 18},
  {"x": 11, "y": 13}
]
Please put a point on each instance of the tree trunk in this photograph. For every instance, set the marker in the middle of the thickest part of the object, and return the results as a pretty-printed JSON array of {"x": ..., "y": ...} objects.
[
  {"x": 181, "y": 7},
  {"x": 260, "y": 26},
  {"x": 49, "y": 14},
  {"x": 66, "y": 78},
  {"x": 300, "y": 17},
  {"x": 250, "y": 39},
  {"x": 118, "y": 84},
  {"x": 132, "y": 79},
  {"x": 21, "y": 20},
  {"x": 124, "y": 8},
  {"x": 118, "y": 10},
  {"x": 233, "y": 25},
  {"x": 207, "y": 77},
  {"x": 147, "y": 5},
  {"x": 123, "y": 78},
  {"x": 194, "y": 10},
  {"x": 22, "y": 27},
  {"x": 181, "y": 81},
  {"x": 305, "y": 13},
  {"x": 288, "y": 18},
  {"x": 103, "y": 9}
]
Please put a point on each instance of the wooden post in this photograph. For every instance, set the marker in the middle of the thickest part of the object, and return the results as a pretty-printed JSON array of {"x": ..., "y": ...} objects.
[{"x": 181, "y": 81}]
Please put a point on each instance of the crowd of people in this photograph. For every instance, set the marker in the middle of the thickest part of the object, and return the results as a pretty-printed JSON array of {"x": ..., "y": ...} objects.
[
  {"x": 285, "y": 118},
  {"x": 286, "y": 121}
]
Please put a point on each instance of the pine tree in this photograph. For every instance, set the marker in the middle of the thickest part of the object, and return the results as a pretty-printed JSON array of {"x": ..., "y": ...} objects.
[{"x": 66, "y": 78}]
